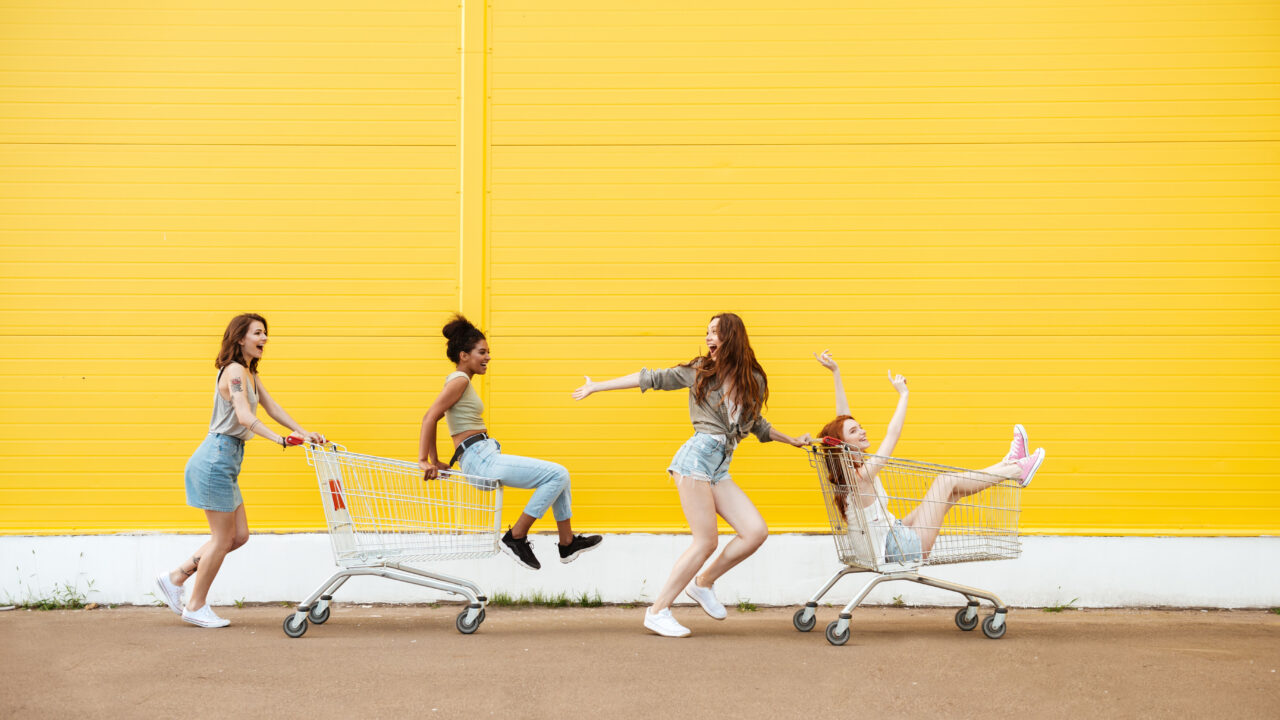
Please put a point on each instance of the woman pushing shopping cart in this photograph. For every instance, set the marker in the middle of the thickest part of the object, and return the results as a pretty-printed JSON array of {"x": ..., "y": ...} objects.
[{"x": 948, "y": 515}]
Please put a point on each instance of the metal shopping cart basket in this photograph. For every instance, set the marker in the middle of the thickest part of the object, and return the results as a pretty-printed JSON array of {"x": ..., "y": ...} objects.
[
  {"x": 381, "y": 514},
  {"x": 982, "y": 526}
]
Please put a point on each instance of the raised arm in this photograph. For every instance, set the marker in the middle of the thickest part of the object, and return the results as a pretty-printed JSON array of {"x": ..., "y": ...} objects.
[
  {"x": 428, "y": 456},
  {"x": 278, "y": 414},
  {"x": 626, "y": 382},
  {"x": 234, "y": 379},
  {"x": 828, "y": 362},
  {"x": 894, "y": 431}
]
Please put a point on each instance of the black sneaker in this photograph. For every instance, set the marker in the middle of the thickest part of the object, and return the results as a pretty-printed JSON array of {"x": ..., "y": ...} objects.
[
  {"x": 520, "y": 551},
  {"x": 577, "y": 546}
]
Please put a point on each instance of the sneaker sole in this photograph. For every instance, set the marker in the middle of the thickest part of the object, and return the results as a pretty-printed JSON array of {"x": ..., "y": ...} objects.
[
  {"x": 512, "y": 554},
  {"x": 1027, "y": 480},
  {"x": 197, "y": 623},
  {"x": 658, "y": 632},
  {"x": 571, "y": 558},
  {"x": 164, "y": 596},
  {"x": 705, "y": 609}
]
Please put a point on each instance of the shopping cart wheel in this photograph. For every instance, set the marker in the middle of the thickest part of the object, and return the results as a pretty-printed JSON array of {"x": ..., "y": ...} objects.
[
  {"x": 964, "y": 624},
  {"x": 801, "y": 624},
  {"x": 294, "y": 630},
  {"x": 836, "y": 639},
  {"x": 462, "y": 625},
  {"x": 318, "y": 615},
  {"x": 990, "y": 630}
]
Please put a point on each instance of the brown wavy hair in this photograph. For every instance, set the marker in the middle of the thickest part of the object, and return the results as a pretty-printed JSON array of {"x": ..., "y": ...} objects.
[
  {"x": 236, "y": 330},
  {"x": 735, "y": 362}
]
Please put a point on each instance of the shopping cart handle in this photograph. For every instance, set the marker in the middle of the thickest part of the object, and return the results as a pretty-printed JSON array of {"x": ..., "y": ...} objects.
[
  {"x": 830, "y": 441},
  {"x": 294, "y": 440}
]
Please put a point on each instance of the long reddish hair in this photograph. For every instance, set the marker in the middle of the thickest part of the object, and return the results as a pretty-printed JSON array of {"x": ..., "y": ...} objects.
[
  {"x": 235, "y": 332},
  {"x": 736, "y": 363},
  {"x": 835, "y": 468}
]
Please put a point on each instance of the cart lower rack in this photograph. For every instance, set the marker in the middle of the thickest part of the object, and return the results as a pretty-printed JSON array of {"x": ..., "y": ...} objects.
[
  {"x": 980, "y": 526},
  {"x": 381, "y": 515}
]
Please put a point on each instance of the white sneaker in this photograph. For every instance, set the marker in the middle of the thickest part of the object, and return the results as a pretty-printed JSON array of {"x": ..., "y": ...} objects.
[
  {"x": 171, "y": 594},
  {"x": 706, "y": 597},
  {"x": 204, "y": 617},
  {"x": 1019, "y": 447},
  {"x": 665, "y": 625}
]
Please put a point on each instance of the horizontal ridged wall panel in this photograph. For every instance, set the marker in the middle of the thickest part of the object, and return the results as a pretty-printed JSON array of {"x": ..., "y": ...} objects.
[
  {"x": 166, "y": 166},
  {"x": 1061, "y": 214}
]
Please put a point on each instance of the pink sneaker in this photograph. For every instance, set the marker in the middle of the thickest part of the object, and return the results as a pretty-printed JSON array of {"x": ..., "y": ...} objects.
[
  {"x": 1018, "y": 448},
  {"x": 1028, "y": 466}
]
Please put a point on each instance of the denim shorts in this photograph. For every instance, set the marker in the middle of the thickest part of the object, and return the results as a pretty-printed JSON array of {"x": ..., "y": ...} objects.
[
  {"x": 702, "y": 457},
  {"x": 902, "y": 545},
  {"x": 212, "y": 473}
]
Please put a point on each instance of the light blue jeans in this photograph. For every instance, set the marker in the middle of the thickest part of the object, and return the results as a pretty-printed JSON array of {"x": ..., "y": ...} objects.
[{"x": 549, "y": 481}]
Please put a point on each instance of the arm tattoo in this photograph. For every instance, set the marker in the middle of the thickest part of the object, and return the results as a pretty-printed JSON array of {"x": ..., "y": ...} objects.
[{"x": 236, "y": 385}]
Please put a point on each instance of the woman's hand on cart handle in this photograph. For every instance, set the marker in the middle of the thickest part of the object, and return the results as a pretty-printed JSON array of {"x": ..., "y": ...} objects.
[
  {"x": 899, "y": 383},
  {"x": 827, "y": 361},
  {"x": 431, "y": 469},
  {"x": 587, "y": 388},
  {"x": 298, "y": 437},
  {"x": 804, "y": 440}
]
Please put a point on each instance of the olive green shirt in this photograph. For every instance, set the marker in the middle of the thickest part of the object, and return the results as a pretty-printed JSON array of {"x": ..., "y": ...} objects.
[{"x": 711, "y": 416}]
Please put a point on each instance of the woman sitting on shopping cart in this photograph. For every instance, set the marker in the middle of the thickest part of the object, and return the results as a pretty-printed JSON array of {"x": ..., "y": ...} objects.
[
  {"x": 911, "y": 538},
  {"x": 478, "y": 454}
]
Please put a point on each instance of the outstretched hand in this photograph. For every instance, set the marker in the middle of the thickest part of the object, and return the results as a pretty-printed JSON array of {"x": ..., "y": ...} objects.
[
  {"x": 899, "y": 383},
  {"x": 827, "y": 361},
  {"x": 587, "y": 388}
]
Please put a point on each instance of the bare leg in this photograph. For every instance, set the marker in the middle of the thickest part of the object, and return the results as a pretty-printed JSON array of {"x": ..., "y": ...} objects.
[
  {"x": 945, "y": 491},
  {"x": 737, "y": 509},
  {"x": 223, "y": 527},
  {"x": 565, "y": 530},
  {"x": 521, "y": 528},
  {"x": 699, "y": 505},
  {"x": 188, "y": 568}
]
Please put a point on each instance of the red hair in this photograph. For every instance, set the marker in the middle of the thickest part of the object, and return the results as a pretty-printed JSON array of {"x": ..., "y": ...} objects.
[{"x": 834, "y": 431}]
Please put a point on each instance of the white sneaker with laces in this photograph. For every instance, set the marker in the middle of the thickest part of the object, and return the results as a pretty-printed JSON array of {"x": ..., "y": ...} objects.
[
  {"x": 1018, "y": 448},
  {"x": 1028, "y": 466},
  {"x": 706, "y": 597},
  {"x": 171, "y": 594},
  {"x": 204, "y": 617},
  {"x": 665, "y": 625}
]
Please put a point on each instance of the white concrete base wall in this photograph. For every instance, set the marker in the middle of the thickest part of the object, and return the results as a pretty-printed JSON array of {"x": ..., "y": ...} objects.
[{"x": 1094, "y": 571}]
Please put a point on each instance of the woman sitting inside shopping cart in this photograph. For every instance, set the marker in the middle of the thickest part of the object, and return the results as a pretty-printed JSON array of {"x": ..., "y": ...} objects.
[
  {"x": 911, "y": 538},
  {"x": 478, "y": 454}
]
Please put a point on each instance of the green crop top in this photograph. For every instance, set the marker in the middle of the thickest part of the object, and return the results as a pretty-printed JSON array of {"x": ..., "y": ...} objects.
[{"x": 466, "y": 413}]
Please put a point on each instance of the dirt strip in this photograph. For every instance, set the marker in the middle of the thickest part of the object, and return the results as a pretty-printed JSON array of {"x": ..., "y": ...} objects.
[{"x": 397, "y": 661}]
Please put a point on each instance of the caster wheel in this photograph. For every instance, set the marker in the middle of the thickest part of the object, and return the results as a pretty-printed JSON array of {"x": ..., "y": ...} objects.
[
  {"x": 294, "y": 630},
  {"x": 801, "y": 624},
  {"x": 462, "y": 625},
  {"x": 993, "y": 632},
  {"x": 963, "y": 624},
  {"x": 835, "y": 639},
  {"x": 318, "y": 615}
]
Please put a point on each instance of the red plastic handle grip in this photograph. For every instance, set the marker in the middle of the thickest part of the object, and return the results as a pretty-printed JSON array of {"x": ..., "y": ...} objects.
[{"x": 294, "y": 440}]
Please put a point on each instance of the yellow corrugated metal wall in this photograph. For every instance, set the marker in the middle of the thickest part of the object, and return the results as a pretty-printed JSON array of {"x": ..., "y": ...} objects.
[{"x": 1061, "y": 214}]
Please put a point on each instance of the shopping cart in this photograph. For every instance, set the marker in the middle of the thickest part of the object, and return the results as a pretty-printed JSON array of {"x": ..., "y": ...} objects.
[
  {"x": 381, "y": 515},
  {"x": 983, "y": 526}
]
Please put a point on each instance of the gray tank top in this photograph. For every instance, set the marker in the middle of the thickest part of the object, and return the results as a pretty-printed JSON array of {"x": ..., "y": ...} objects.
[{"x": 224, "y": 420}]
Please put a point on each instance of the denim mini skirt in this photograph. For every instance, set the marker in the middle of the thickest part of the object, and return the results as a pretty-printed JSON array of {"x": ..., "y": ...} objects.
[
  {"x": 212, "y": 474},
  {"x": 703, "y": 457}
]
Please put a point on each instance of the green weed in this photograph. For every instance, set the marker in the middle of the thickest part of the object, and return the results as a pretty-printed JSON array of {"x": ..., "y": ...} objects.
[
  {"x": 746, "y": 606},
  {"x": 1060, "y": 608},
  {"x": 1276, "y": 611},
  {"x": 897, "y": 601}
]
